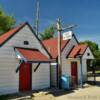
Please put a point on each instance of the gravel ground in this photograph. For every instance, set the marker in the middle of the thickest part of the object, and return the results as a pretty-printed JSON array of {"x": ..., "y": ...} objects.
[{"x": 89, "y": 92}]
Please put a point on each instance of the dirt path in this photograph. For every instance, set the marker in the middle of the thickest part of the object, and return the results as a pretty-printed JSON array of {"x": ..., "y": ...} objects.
[{"x": 89, "y": 92}]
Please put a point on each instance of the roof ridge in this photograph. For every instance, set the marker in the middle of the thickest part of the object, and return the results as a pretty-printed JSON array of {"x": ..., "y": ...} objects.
[
  {"x": 10, "y": 33},
  {"x": 49, "y": 39},
  {"x": 21, "y": 24}
]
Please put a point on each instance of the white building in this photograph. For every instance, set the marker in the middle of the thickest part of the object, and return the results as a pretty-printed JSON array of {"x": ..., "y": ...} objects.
[
  {"x": 71, "y": 62},
  {"x": 25, "y": 61},
  {"x": 34, "y": 71}
]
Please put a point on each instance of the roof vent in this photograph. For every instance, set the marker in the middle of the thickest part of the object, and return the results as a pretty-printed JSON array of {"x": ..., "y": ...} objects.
[{"x": 26, "y": 43}]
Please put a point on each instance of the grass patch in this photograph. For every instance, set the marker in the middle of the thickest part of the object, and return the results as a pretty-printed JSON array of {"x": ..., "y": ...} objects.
[{"x": 98, "y": 72}]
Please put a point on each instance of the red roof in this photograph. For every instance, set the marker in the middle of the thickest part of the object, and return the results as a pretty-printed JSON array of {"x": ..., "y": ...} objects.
[
  {"x": 8, "y": 34},
  {"x": 78, "y": 50},
  {"x": 32, "y": 54},
  {"x": 52, "y": 46}
]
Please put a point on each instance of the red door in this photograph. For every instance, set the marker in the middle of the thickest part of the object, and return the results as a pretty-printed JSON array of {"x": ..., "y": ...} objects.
[
  {"x": 25, "y": 77},
  {"x": 74, "y": 72}
]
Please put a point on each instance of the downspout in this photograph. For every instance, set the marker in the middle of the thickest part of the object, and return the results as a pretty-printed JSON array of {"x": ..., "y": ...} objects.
[{"x": 81, "y": 74}]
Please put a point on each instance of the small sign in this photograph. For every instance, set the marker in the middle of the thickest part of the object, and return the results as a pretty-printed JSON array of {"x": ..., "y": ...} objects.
[{"x": 67, "y": 35}]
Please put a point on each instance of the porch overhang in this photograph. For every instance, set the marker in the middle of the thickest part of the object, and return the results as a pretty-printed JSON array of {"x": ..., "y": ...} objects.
[{"x": 31, "y": 56}]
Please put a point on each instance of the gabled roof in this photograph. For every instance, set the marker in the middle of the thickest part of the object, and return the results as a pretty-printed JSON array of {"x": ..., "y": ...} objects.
[
  {"x": 33, "y": 55},
  {"x": 10, "y": 33},
  {"x": 5, "y": 37},
  {"x": 52, "y": 46},
  {"x": 78, "y": 50}
]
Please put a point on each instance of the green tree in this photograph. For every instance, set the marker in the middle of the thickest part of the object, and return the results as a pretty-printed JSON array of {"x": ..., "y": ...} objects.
[
  {"x": 93, "y": 46},
  {"x": 95, "y": 49},
  {"x": 48, "y": 33},
  {"x": 6, "y": 22}
]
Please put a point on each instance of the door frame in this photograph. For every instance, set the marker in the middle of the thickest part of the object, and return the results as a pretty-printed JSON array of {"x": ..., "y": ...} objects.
[
  {"x": 77, "y": 70},
  {"x": 56, "y": 75},
  {"x": 30, "y": 78}
]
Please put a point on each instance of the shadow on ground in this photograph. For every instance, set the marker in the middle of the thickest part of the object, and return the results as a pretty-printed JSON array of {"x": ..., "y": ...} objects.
[
  {"x": 57, "y": 92},
  {"x": 97, "y": 83},
  {"x": 51, "y": 92},
  {"x": 32, "y": 94}
]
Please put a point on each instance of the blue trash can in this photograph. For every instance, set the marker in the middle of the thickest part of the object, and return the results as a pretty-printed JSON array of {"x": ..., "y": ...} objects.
[{"x": 65, "y": 82}]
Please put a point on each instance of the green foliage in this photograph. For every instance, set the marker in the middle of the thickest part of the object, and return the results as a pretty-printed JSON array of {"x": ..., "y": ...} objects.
[
  {"x": 48, "y": 33},
  {"x": 95, "y": 49},
  {"x": 93, "y": 46},
  {"x": 6, "y": 22}
]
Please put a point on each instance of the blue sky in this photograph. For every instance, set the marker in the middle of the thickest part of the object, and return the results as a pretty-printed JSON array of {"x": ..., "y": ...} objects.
[{"x": 84, "y": 13}]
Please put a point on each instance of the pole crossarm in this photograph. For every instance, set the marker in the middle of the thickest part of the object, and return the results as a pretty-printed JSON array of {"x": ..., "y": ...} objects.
[{"x": 60, "y": 29}]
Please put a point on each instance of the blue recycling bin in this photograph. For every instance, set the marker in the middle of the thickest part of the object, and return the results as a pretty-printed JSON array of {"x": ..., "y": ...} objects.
[{"x": 65, "y": 82}]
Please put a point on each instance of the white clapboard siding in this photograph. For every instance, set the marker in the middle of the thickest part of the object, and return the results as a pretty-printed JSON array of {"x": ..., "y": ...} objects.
[
  {"x": 41, "y": 78},
  {"x": 84, "y": 62},
  {"x": 85, "y": 56},
  {"x": 66, "y": 64},
  {"x": 66, "y": 67},
  {"x": 84, "y": 68},
  {"x": 53, "y": 75},
  {"x": 9, "y": 79},
  {"x": 25, "y": 34},
  {"x": 68, "y": 70}
]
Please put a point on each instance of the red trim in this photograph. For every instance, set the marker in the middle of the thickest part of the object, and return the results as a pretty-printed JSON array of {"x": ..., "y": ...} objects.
[
  {"x": 51, "y": 46},
  {"x": 25, "y": 83},
  {"x": 74, "y": 72},
  {"x": 70, "y": 51},
  {"x": 8, "y": 35},
  {"x": 32, "y": 54},
  {"x": 78, "y": 50}
]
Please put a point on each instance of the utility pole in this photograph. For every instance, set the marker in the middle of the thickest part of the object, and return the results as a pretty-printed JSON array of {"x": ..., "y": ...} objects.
[
  {"x": 37, "y": 17},
  {"x": 60, "y": 29}
]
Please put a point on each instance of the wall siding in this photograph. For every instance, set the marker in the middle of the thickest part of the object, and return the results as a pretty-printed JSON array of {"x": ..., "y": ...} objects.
[
  {"x": 65, "y": 62},
  {"x": 84, "y": 62},
  {"x": 9, "y": 79},
  {"x": 85, "y": 54},
  {"x": 53, "y": 76},
  {"x": 41, "y": 78},
  {"x": 66, "y": 67},
  {"x": 69, "y": 67},
  {"x": 84, "y": 67}
]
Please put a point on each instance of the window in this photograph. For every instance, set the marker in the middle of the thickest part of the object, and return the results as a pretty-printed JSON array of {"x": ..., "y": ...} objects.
[
  {"x": 26, "y": 43},
  {"x": 88, "y": 54}
]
